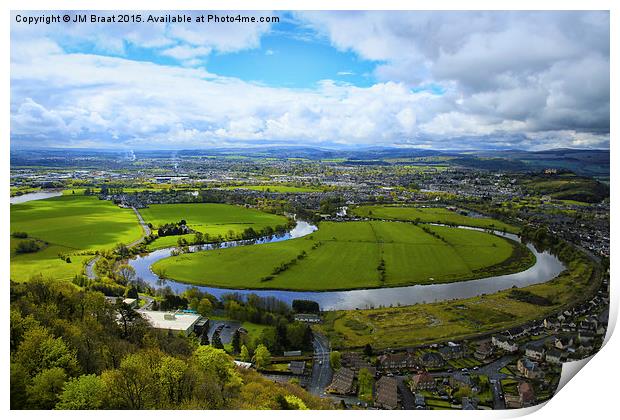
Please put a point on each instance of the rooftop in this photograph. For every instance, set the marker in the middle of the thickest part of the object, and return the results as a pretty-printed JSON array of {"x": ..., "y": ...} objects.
[{"x": 170, "y": 320}]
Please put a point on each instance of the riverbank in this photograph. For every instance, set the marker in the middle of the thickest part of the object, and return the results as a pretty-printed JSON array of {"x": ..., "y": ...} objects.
[{"x": 426, "y": 323}]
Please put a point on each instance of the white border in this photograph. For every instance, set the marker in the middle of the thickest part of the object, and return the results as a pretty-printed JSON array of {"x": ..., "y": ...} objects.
[{"x": 591, "y": 395}]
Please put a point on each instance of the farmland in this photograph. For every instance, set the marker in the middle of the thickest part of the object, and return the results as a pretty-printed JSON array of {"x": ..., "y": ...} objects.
[
  {"x": 430, "y": 215},
  {"x": 212, "y": 219},
  {"x": 352, "y": 255},
  {"x": 67, "y": 225}
]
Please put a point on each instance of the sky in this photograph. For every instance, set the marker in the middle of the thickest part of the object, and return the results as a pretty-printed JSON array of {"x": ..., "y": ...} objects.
[{"x": 435, "y": 80}]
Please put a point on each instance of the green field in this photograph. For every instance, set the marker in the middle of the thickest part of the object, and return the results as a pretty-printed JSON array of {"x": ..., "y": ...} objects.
[
  {"x": 69, "y": 225},
  {"x": 209, "y": 218},
  {"x": 347, "y": 256},
  {"x": 430, "y": 215}
]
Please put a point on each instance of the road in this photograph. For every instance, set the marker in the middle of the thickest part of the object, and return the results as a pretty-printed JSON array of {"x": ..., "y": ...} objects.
[
  {"x": 146, "y": 231},
  {"x": 321, "y": 370}
]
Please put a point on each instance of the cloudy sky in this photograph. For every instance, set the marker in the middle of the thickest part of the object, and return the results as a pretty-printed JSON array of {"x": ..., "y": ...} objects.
[{"x": 442, "y": 80}]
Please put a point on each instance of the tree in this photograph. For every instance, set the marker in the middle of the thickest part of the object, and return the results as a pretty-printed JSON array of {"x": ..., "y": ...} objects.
[
  {"x": 244, "y": 354},
  {"x": 86, "y": 392},
  {"x": 368, "y": 350},
  {"x": 335, "y": 360},
  {"x": 236, "y": 342},
  {"x": 364, "y": 380},
  {"x": 204, "y": 337},
  {"x": 45, "y": 387},
  {"x": 122, "y": 250},
  {"x": 218, "y": 363},
  {"x": 125, "y": 273},
  {"x": 262, "y": 357},
  {"x": 205, "y": 307},
  {"x": 39, "y": 350},
  {"x": 172, "y": 379},
  {"x": 216, "y": 341}
]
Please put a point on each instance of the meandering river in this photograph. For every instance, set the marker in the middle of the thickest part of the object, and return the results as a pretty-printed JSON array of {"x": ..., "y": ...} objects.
[{"x": 547, "y": 267}]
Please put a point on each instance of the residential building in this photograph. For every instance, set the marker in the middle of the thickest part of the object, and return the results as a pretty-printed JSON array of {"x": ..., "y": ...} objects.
[
  {"x": 422, "y": 382},
  {"x": 504, "y": 343},
  {"x": 386, "y": 393}
]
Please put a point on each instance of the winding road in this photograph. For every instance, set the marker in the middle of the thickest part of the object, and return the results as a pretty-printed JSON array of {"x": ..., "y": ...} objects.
[{"x": 321, "y": 369}]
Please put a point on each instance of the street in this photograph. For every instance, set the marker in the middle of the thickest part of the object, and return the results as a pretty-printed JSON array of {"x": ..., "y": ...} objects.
[{"x": 321, "y": 370}]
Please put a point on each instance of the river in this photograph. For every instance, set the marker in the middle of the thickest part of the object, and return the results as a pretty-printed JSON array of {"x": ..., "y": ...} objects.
[
  {"x": 547, "y": 267},
  {"x": 42, "y": 195}
]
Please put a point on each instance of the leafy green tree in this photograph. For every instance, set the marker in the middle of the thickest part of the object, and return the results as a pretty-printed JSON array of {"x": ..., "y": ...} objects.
[
  {"x": 173, "y": 379},
  {"x": 133, "y": 385},
  {"x": 86, "y": 392},
  {"x": 125, "y": 274},
  {"x": 364, "y": 380},
  {"x": 45, "y": 388},
  {"x": 39, "y": 350},
  {"x": 335, "y": 360},
  {"x": 244, "y": 354},
  {"x": 262, "y": 357},
  {"x": 205, "y": 307},
  {"x": 221, "y": 365}
]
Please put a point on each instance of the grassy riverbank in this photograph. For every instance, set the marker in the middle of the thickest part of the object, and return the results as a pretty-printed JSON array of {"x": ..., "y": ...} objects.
[
  {"x": 430, "y": 215},
  {"x": 458, "y": 319}
]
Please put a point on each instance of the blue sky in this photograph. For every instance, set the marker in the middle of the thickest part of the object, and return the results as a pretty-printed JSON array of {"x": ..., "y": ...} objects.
[{"x": 443, "y": 80}]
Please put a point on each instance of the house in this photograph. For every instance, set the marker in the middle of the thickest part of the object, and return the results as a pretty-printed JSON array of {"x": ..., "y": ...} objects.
[
  {"x": 355, "y": 361},
  {"x": 516, "y": 332},
  {"x": 469, "y": 404},
  {"x": 132, "y": 303},
  {"x": 529, "y": 369},
  {"x": 451, "y": 351},
  {"x": 310, "y": 318},
  {"x": 504, "y": 343},
  {"x": 292, "y": 353},
  {"x": 397, "y": 361},
  {"x": 535, "y": 351},
  {"x": 563, "y": 343},
  {"x": 422, "y": 382},
  {"x": 432, "y": 360},
  {"x": 554, "y": 356},
  {"x": 483, "y": 350},
  {"x": 526, "y": 394},
  {"x": 297, "y": 367},
  {"x": 386, "y": 393},
  {"x": 585, "y": 337},
  {"x": 342, "y": 382}
]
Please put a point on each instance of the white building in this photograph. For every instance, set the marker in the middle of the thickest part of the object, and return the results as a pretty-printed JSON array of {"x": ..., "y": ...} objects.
[{"x": 172, "y": 321}]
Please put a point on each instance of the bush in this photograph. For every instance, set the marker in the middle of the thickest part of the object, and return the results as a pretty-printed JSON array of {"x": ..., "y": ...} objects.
[{"x": 25, "y": 247}]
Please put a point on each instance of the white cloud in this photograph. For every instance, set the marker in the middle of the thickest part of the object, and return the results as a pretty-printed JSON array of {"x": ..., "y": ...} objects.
[{"x": 511, "y": 79}]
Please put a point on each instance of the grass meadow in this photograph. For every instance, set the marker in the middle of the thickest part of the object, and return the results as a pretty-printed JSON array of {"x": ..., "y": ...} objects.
[
  {"x": 67, "y": 225},
  {"x": 430, "y": 215},
  {"x": 347, "y": 255}
]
